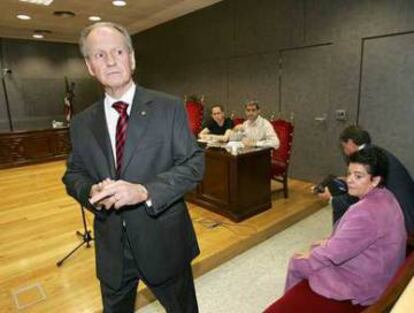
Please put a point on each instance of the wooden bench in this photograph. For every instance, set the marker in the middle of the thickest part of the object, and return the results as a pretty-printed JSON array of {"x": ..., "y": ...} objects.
[{"x": 302, "y": 299}]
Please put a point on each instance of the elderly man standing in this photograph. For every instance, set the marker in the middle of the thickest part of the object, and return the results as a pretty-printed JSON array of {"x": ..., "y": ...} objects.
[
  {"x": 256, "y": 131},
  {"x": 133, "y": 159}
]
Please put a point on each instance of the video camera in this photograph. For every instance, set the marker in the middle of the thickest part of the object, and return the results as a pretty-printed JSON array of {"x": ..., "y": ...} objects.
[{"x": 335, "y": 185}]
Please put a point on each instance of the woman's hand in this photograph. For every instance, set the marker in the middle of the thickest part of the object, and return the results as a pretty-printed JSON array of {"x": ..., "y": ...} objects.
[{"x": 302, "y": 255}]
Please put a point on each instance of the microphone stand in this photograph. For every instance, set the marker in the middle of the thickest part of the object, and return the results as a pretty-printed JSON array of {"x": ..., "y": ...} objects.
[
  {"x": 86, "y": 238},
  {"x": 6, "y": 97}
]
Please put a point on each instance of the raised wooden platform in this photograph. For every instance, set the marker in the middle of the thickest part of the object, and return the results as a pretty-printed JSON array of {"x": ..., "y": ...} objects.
[{"x": 38, "y": 223}]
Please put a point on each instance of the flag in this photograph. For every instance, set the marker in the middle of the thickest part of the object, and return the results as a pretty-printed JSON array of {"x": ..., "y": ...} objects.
[
  {"x": 68, "y": 100},
  {"x": 67, "y": 107}
]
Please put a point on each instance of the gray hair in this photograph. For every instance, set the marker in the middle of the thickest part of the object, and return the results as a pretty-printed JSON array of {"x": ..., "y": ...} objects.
[
  {"x": 254, "y": 102},
  {"x": 87, "y": 30}
]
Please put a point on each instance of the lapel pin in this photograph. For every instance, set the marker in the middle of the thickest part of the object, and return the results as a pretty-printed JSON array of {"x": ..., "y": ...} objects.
[{"x": 143, "y": 113}]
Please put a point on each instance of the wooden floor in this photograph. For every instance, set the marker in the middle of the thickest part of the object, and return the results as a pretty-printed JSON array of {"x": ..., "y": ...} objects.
[{"x": 37, "y": 228}]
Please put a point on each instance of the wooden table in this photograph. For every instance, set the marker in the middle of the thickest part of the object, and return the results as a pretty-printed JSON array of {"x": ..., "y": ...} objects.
[
  {"x": 34, "y": 146},
  {"x": 236, "y": 186}
]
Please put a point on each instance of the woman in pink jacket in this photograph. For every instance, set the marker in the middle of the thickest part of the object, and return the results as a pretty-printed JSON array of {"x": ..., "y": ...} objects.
[{"x": 367, "y": 245}]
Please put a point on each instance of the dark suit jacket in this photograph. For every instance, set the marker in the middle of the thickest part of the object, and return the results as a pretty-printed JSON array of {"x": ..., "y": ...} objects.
[
  {"x": 161, "y": 154},
  {"x": 399, "y": 182}
]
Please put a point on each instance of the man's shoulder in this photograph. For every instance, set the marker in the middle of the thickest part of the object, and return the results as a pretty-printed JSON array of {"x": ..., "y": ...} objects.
[
  {"x": 390, "y": 156},
  {"x": 159, "y": 96},
  {"x": 369, "y": 204},
  {"x": 264, "y": 121},
  {"x": 393, "y": 162}
]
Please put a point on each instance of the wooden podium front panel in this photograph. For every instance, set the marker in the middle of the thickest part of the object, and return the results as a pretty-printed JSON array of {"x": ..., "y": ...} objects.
[
  {"x": 215, "y": 187},
  {"x": 253, "y": 192},
  {"x": 236, "y": 186},
  {"x": 36, "y": 147}
]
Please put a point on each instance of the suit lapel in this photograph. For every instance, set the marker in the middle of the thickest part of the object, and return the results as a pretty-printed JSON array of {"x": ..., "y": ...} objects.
[
  {"x": 137, "y": 123},
  {"x": 100, "y": 131}
]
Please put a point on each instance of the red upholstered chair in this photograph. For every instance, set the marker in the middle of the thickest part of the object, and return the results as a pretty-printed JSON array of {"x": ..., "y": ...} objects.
[
  {"x": 395, "y": 287},
  {"x": 410, "y": 243},
  {"x": 195, "y": 111},
  {"x": 281, "y": 156},
  {"x": 237, "y": 120},
  {"x": 302, "y": 299}
]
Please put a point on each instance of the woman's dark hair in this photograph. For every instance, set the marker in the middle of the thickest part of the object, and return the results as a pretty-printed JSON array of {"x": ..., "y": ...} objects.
[
  {"x": 358, "y": 135},
  {"x": 374, "y": 160}
]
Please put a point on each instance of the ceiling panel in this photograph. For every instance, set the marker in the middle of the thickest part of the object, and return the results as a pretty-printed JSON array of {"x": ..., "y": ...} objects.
[{"x": 137, "y": 16}]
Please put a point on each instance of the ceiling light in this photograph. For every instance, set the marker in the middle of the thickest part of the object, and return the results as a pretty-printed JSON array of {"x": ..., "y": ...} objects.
[
  {"x": 94, "y": 18},
  {"x": 119, "y": 3},
  {"x": 41, "y": 2},
  {"x": 23, "y": 17},
  {"x": 64, "y": 13},
  {"x": 40, "y": 33}
]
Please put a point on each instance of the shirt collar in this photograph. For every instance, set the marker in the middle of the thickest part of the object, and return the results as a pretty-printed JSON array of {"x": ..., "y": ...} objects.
[
  {"x": 256, "y": 121},
  {"x": 127, "y": 97}
]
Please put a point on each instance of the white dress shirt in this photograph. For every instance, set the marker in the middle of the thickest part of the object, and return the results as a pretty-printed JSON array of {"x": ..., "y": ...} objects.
[
  {"x": 112, "y": 116},
  {"x": 260, "y": 131}
]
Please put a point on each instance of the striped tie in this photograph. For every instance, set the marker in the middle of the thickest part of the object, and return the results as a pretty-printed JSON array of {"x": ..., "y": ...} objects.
[{"x": 121, "y": 132}]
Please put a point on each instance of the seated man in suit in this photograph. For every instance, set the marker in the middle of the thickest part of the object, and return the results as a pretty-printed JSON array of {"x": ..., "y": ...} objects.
[
  {"x": 256, "y": 131},
  {"x": 217, "y": 128},
  {"x": 399, "y": 181}
]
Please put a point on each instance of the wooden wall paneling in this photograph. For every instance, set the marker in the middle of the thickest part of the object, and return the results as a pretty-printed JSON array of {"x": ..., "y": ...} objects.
[
  {"x": 266, "y": 25},
  {"x": 344, "y": 84},
  {"x": 42, "y": 96},
  {"x": 36, "y": 87},
  {"x": 387, "y": 93},
  {"x": 203, "y": 35},
  {"x": 21, "y": 148},
  {"x": 254, "y": 76},
  {"x": 261, "y": 27},
  {"x": 318, "y": 21},
  {"x": 305, "y": 85},
  {"x": 210, "y": 79}
]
